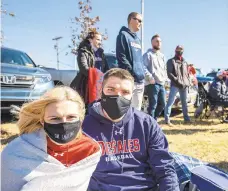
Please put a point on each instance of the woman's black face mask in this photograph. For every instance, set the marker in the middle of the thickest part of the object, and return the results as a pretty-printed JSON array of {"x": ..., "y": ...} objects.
[{"x": 62, "y": 132}]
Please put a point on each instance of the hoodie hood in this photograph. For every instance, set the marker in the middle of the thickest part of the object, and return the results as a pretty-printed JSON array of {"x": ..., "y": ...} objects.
[{"x": 125, "y": 29}]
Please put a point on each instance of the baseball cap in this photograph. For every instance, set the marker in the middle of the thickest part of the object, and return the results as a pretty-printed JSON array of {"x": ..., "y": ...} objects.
[{"x": 220, "y": 73}]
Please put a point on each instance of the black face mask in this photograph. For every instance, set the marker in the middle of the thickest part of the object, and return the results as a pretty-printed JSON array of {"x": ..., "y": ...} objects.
[
  {"x": 114, "y": 105},
  {"x": 179, "y": 53},
  {"x": 62, "y": 132}
]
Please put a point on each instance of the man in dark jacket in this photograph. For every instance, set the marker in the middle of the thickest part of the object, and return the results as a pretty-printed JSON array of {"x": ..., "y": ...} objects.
[
  {"x": 177, "y": 70},
  {"x": 218, "y": 89},
  {"x": 129, "y": 55},
  {"x": 135, "y": 150}
]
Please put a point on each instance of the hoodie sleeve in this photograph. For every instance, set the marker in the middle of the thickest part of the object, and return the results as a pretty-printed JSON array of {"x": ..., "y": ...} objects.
[
  {"x": 122, "y": 52},
  {"x": 165, "y": 61},
  {"x": 147, "y": 62},
  {"x": 161, "y": 161}
]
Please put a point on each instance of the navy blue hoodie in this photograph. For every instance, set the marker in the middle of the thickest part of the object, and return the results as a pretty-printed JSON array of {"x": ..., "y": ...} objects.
[
  {"x": 135, "y": 153},
  {"x": 129, "y": 53}
]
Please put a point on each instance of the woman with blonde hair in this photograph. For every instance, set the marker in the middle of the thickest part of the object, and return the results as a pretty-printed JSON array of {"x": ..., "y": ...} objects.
[{"x": 52, "y": 152}]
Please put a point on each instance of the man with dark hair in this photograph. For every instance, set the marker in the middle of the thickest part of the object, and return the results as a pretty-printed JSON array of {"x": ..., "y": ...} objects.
[
  {"x": 177, "y": 70},
  {"x": 156, "y": 76},
  {"x": 129, "y": 55},
  {"x": 135, "y": 150}
]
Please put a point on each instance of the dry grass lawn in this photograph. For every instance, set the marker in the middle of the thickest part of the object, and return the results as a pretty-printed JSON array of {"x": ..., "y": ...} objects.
[{"x": 206, "y": 140}]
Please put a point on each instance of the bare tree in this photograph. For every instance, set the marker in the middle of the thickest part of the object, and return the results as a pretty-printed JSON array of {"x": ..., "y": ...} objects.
[
  {"x": 83, "y": 24},
  {"x": 4, "y": 13}
]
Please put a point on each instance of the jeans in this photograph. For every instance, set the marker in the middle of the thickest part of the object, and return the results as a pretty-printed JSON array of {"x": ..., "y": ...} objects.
[
  {"x": 157, "y": 98},
  {"x": 137, "y": 97},
  {"x": 183, "y": 98}
]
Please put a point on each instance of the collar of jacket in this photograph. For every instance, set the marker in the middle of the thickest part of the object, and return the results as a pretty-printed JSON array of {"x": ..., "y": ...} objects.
[{"x": 178, "y": 60}]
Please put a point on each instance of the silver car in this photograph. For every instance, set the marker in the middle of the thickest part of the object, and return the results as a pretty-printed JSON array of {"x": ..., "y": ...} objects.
[{"x": 20, "y": 79}]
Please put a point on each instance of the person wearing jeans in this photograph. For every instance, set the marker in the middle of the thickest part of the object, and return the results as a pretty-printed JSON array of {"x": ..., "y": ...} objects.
[
  {"x": 155, "y": 77},
  {"x": 177, "y": 70},
  {"x": 157, "y": 99},
  {"x": 183, "y": 97},
  {"x": 129, "y": 55}
]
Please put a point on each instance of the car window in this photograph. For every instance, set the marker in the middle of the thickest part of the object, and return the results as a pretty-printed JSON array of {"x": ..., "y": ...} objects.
[
  {"x": 15, "y": 57},
  {"x": 212, "y": 75}
]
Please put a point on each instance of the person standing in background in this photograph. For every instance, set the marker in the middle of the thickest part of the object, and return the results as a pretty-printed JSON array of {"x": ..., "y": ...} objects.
[
  {"x": 129, "y": 55},
  {"x": 156, "y": 76},
  {"x": 177, "y": 70}
]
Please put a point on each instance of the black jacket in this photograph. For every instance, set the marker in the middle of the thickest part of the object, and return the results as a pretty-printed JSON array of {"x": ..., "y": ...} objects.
[
  {"x": 218, "y": 90},
  {"x": 86, "y": 60},
  {"x": 178, "y": 73}
]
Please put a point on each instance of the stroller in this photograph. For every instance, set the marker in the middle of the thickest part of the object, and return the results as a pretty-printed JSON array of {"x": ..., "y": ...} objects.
[{"x": 207, "y": 107}]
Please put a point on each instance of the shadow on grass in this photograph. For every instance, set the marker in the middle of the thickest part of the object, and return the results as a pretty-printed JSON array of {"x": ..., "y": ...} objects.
[
  {"x": 7, "y": 118},
  {"x": 221, "y": 165},
  {"x": 8, "y": 139},
  {"x": 193, "y": 122},
  {"x": 191, "y": 131}
]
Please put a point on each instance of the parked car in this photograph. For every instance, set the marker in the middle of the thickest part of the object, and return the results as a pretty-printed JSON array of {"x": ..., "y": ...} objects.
[
  {"x": 21, "y": 80},
  {"x": 65, "y": 77},
  {"x": 61, "y": 77},
  {"x": 202, "y": 78}
]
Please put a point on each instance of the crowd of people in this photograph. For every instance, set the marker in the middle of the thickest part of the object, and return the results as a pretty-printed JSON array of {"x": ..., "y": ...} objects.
[{"x": 115, "y": 146}]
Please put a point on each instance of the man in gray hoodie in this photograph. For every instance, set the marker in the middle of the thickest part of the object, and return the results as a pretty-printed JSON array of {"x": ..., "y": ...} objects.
[{"x": 156, "y": 76}]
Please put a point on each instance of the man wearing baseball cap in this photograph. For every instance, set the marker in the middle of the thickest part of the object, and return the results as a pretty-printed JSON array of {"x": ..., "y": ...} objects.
[{"x": 177, "y": 70}]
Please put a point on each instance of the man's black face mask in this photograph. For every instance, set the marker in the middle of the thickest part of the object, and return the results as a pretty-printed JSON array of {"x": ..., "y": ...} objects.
[{"x": 114, "y": 105}]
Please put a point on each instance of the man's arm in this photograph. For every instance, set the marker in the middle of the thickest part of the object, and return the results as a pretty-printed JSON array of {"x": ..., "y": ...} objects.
[
  {"x": 170, "y": 73},
  {"x": 161, "y": 161},
  {"x": 166, "y": 73},
  {"x": 121, "y": 51},
  {"x": 147, "y": 61}
]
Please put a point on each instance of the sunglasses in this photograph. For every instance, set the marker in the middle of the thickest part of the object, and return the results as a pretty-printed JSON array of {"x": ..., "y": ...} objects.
[{"x": 140, "y": 21}]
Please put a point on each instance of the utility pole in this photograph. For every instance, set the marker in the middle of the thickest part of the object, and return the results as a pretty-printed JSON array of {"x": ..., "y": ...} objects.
[
  {"x": 75, "y": 59},
  {"x": 57, "y": 49},
  {"x": 142, "y": 29}
]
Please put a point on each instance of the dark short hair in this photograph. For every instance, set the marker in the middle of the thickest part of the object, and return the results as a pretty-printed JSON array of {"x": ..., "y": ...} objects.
[
  {"x": 131, "y": 15},
  {"x": 119, "y": 73},
  {"x": 155, "y": 36},
  {"x": 179, "y": 47}
]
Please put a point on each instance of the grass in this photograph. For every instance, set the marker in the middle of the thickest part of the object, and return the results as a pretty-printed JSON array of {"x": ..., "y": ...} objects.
[{"x": 206, "y": 140}]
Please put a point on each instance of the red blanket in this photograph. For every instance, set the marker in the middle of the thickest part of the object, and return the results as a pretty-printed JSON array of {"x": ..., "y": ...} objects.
[{"x": 95, "y": 79}]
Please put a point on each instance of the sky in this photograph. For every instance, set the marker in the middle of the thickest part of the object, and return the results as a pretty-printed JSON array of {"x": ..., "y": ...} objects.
[{"x": 201, "y": 26}]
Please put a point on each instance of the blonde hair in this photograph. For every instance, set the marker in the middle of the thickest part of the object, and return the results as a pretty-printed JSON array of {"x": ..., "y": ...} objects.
[{"x": 31, "y": 114}]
